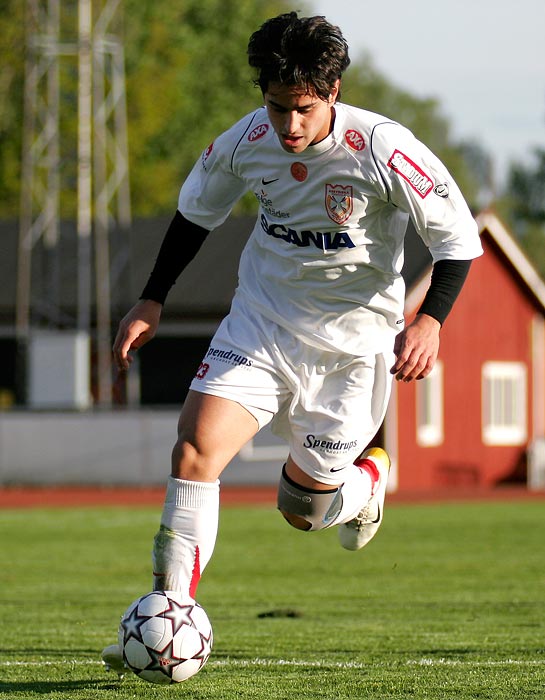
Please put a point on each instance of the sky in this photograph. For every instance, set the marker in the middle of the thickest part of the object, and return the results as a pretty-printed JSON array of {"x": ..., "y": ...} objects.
[{"x": 483, "y": 60}]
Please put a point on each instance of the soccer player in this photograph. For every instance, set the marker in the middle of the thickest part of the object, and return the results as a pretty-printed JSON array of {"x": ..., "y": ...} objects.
[{"x": 315, "y": 332}]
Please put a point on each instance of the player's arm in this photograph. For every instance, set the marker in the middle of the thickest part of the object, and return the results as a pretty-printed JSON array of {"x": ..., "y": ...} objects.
[
  {"x": 417, "y": 346},
  {"x": 181, "y": 243},
  {"x": 418, "y": 183},
  {"x": 206, "y": 199}
]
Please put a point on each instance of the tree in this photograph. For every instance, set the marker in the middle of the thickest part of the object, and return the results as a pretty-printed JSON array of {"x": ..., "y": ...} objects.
[
  {"x": 188, "y": 80},
  {"x": 365, "y": 86},
  {"x": 12, "y": 40},
  {"x": 527, "y": 187},
  {"x": 523, "y": 206}
]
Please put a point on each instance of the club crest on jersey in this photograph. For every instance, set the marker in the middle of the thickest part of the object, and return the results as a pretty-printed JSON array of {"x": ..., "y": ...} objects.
[
  {"x": 258, "y": 132},
  {"x": 421, "y": 183},
  {"x": 339, "y": 202}
]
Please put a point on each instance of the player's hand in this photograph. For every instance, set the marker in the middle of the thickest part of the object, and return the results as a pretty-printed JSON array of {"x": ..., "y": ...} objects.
[
  {"x": 416, "y": 349},
  {"x": 135, "y": 329}
]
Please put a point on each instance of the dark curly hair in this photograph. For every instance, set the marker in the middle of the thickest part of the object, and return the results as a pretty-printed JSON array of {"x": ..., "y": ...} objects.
[{"x": 306, "y": 52}]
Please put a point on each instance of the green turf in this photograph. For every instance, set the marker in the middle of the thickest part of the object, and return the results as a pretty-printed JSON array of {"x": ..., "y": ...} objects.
[{"x": 446, "y": 602}]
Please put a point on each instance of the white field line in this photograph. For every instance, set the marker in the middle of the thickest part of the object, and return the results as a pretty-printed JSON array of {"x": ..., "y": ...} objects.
[{"x": 271, "y": 663}]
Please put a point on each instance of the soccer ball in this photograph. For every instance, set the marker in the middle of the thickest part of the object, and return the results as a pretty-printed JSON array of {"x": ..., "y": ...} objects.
[{"x": 165, "y": 636}]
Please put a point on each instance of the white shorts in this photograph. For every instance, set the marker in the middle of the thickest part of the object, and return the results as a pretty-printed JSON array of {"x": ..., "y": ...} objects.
[{"x": 326, "y": 405}]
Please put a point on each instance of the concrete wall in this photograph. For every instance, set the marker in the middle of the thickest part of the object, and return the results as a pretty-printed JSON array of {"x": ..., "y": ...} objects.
[{"x": 113, "y": 448}]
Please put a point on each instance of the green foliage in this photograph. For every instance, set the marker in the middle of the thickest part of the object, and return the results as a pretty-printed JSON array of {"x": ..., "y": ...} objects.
[
  {"x": 522, "y": 207},
  {"x": 527, "y": 186},
  {"x": 445, "y": 603},
  {"x": 12, "y": 41},
  {"x": 366, "y": 87},
  {"x": 187, "y": 81}
]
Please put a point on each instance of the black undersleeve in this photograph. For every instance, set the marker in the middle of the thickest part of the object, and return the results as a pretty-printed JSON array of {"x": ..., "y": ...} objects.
[
  {"x": 181, "y": 243},
  {"x": 447, "y": 279}
]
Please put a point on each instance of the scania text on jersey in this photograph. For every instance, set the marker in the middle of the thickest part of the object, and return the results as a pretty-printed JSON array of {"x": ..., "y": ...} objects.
[{"x": 330, "y": 240}]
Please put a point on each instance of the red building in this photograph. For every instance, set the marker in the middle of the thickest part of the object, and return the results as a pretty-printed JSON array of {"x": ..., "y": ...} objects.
[{"x": 473, "y": 421}]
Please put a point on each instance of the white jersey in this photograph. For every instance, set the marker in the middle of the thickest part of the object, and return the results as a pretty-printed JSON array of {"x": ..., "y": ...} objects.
[{"x": 325, "y": 256}]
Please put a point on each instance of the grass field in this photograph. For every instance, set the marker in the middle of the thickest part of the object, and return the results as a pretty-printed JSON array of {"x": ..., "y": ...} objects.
[{"x": 448, "y": 601}]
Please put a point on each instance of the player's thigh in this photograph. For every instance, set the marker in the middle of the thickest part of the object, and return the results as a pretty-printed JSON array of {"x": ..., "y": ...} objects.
[{"x": 211, "y": 431}]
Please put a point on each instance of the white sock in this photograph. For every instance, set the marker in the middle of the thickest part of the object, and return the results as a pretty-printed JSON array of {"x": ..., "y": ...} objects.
[
  {"x": 355, "y": 491},
  {"x": 185, "y": 542}
]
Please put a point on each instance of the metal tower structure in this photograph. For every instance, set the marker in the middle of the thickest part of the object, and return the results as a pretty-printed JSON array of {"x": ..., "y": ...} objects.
[{"x": 79, "y": 39}]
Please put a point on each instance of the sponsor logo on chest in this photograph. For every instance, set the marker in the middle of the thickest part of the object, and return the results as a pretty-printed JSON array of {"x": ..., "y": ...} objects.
[
  {"x": 354, "y": 139},
  {"x": 258, "y": 132},
  {"x": 327, "y": 240}
]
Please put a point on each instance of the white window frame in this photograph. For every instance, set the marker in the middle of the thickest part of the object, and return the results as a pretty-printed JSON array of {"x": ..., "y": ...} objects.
[
  {"x": 504, "y": 392},
  {"x": 429, "y": 408}
]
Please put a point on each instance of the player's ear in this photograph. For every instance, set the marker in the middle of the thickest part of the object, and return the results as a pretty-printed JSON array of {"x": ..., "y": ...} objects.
[{"x": 335, "y": 90}]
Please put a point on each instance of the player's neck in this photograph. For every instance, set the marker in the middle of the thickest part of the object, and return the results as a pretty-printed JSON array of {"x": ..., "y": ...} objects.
[{"x": 331, "y": 126}]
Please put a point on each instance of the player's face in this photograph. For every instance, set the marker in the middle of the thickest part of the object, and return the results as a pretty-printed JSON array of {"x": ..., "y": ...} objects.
[{"x": 299, "y": 118}]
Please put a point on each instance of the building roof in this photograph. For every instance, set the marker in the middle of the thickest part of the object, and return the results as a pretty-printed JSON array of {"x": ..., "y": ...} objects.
[
  {"x": 528, "y": 274},
  {"x": 204, "y": 290},
  {"x": 489, "y": 225}
]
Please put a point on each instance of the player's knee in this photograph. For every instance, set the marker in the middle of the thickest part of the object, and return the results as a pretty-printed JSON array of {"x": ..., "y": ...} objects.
[
  {"x": 296, "y": 521},
  {"x": 188, "y": 463},
  {"x": 307, "y": 509},
  {"x": 180, "y": 457}
]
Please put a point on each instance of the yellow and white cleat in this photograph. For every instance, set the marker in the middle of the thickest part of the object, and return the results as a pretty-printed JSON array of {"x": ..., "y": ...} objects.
[{"x": 357, "y": 532}]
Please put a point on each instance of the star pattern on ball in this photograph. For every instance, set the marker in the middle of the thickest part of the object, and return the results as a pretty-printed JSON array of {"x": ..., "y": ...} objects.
[
  {"x": 163, "y": 661},
  {"x": 206, "y": 643},
  {"x": 132, "y": 625},
  {"x": 179, "y": 615}
]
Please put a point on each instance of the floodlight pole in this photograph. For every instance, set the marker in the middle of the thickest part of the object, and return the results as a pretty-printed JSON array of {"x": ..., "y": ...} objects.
[
  {"x": 84, "y": 207},
  {"x": 103, "y": 197},
  {"x": 40, "y": 157},
  {"x": 110, "y": 177}
]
